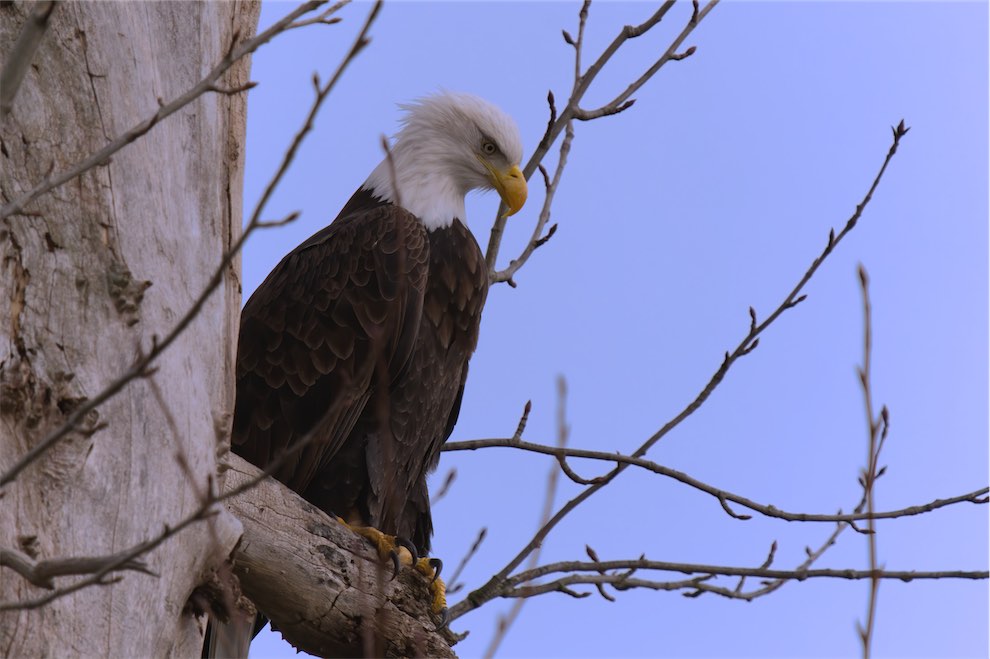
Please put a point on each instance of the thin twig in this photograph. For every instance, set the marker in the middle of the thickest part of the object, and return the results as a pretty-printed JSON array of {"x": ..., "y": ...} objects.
[
  {"x": 444, "y": 488},
  {"x": 490, "y": 588},
  {"x": 563, "y": 584},
  {"x": 575, "y": 570},
  {"x": 869, "y": 475},
  {"x": 20, "y": 56},
  {"x": 113, "y": 563},
  {"x": 582, "y": 83},
  {"x": 538, "y": 239},
  {"x": 455, "y": 586},
  {"x": 563, "y": 431},
  {"x": 207, "y": 84},
  {"x": 723, "y": 496},
  {"x": 142, "y": 366}
]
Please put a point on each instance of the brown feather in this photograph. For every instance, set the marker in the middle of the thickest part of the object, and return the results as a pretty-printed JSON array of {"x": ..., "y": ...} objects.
[{"x": 360, "y": 338}]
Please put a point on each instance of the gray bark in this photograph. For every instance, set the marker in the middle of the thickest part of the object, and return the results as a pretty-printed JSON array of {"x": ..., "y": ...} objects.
[
  {"x": 321, "y": 584},
  {"x": 90, "y": 273}
]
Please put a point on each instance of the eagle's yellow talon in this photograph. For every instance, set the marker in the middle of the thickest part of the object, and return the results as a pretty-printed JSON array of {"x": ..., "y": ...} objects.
[
  {"x": 386, "y": 545},
  {"x": 438, "y": 589}
]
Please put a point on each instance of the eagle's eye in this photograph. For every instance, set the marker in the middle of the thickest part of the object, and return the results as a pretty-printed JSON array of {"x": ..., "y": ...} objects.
[{"x": 488, "y": 147}]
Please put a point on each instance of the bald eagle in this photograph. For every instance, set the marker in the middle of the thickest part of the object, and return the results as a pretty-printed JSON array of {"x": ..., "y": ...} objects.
[{"x": 358, "y": 341}]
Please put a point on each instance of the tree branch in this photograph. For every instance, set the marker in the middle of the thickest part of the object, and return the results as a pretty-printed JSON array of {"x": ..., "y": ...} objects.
[
  {"x": 142, "y": 366},
  {"x": 335, "y": 577},
  {"x": 723, "y": 496},
  {"x": 207, "y": 84},
  {"x": 41, "y": 573},
  {"x": 749, "y": 342},
  {"x": 624, "y": 582},
  {"x": 563, "y": 431},
  {"x": 573, "y": 110},
  {"x": 20, "y": 56},
  {"x": 870, "y": 474}
]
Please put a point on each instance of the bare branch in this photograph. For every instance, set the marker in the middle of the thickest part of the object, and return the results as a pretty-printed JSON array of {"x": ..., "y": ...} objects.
[
  {"x": 489, "y": 589},
  {"x": 700, "y": 585},
  {"x": 870, "y": 472},
  {"x": 576, "y": 568},
  {"x": 582, "y": 82},
  {"x": 101, "y": 567},
  {"x": 141, "y": 367},
  {"x": 455, "y": 586},
  {"x": 445, "y": 488},
  {"x": 20, "y": 56},
  {"x": 325, "y": 17},
  {"x": 538, "y": 239},
  {"x": 563, "y": 431},
  {"x": 208, "y": 83},
  {"x": 41, "y": 573},
  {"x": 723, "y": 496}
]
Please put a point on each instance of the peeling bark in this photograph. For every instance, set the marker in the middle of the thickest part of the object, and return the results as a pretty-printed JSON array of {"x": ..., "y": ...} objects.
[{"x": 322, "y": 585}]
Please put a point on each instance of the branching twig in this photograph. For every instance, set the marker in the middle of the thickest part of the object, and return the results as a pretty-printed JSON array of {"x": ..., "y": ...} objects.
[
  {"x": 142, "y": 366},
  {"x": 723, "y": 496},
  {"x": 573, "y": 110},
  {"x": 41, "y": 573},
  {"x": 563, "y": 584},
  {"x": 538, "y": 239},
  {"x": 207, "y": 84},
  {"x": 749, "y": 342},
  {"x": 102, "y": 567}
]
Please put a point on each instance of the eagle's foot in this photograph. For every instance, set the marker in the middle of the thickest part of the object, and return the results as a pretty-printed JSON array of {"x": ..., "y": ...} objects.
[
  {"x": 430, "y": 568},
  {"x": 390, "y": 548}
]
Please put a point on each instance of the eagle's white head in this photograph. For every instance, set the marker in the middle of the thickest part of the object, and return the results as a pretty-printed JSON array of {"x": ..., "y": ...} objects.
[{"x": 449, "y": 144}]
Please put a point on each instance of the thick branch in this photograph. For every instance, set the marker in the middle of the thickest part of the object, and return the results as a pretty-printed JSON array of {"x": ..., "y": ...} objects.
[{"x": 320, "y": 583}]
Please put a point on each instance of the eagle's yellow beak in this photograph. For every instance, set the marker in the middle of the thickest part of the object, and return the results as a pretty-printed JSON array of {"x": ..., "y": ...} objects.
[{"x": 511, "y": 186}]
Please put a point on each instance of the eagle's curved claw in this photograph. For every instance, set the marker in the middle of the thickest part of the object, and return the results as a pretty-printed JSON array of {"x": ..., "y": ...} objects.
[
  {"x": 444, "y": 615},
  {"x": 396, "y": 563},
  {"x": 437, "y": 565},
  {"x": 410, "y": 547}
]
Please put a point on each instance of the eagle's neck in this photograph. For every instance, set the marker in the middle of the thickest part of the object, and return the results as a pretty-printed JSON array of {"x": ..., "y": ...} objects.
[
  {"x": 422, "y": 183},
  {"x": 422, "y": 178}
]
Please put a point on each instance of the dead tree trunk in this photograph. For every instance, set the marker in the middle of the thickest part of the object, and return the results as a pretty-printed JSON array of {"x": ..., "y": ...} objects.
[{"x": 91, "y": 273}]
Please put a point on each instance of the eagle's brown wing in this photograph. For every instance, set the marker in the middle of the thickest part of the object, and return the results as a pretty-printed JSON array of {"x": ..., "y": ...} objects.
[{"x": 336, "y": 316}]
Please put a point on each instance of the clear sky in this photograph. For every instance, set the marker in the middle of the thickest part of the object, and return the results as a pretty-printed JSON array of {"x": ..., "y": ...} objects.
[{"x": 712, "y": 194}]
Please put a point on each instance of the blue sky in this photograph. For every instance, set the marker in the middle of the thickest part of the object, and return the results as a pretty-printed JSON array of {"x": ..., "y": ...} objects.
[{"x": 712, "y": 194}]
